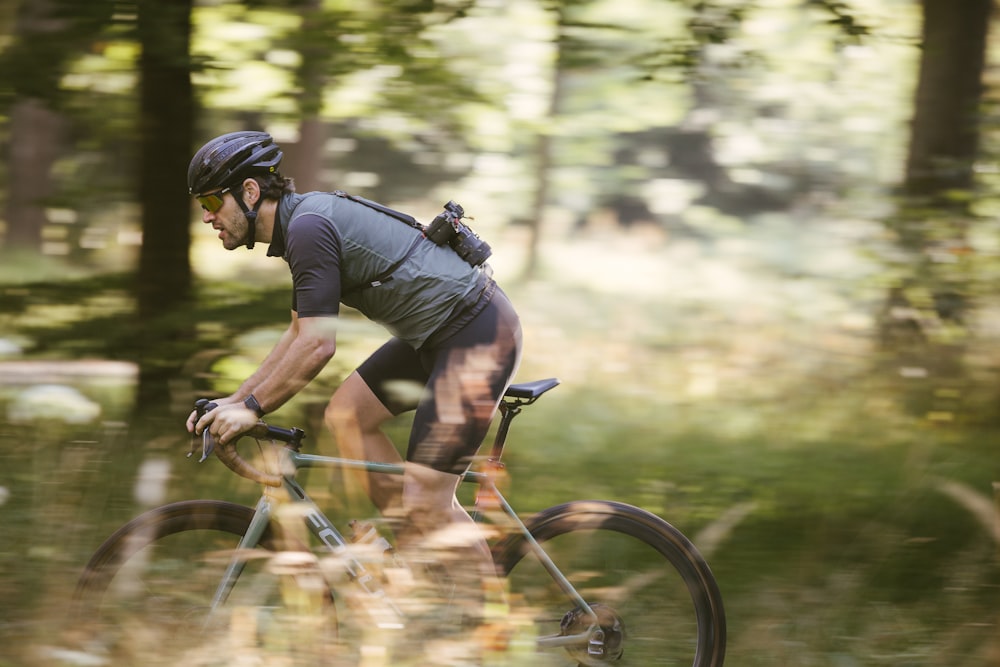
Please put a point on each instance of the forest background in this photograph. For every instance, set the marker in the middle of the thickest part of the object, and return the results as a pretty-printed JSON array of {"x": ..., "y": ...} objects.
[{"x": 757, "y": 241}]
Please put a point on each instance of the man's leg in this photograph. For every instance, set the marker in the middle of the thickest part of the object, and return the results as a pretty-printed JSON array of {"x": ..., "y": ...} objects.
[
  {"x": 468, "y": 376},
  {"x": 438, "y": 531},
  {"x": 355, "y": 415},
  {"x": 430, "y": 503}
]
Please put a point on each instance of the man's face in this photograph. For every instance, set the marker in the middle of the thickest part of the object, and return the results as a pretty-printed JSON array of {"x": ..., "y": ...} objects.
[{"x": 228, "y": 219}]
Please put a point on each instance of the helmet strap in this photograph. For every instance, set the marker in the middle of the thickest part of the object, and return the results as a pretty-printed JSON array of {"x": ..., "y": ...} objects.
[{"x": 251, "y": 216}]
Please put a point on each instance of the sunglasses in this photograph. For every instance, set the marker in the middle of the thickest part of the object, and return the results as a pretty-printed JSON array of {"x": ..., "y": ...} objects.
[{"x": 212, "y": 201}]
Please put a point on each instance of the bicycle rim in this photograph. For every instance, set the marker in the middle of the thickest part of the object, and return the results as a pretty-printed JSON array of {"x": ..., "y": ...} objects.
[
  {"x": 656, "y": 597},
  {"x": 147, "y": 591}
]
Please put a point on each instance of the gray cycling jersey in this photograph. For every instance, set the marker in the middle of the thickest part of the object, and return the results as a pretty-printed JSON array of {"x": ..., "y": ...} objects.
[{"x": 336, "y": 248}]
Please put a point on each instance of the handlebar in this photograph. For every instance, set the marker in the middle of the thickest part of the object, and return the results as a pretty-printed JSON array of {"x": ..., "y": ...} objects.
[{"x": 231, "y": 458}]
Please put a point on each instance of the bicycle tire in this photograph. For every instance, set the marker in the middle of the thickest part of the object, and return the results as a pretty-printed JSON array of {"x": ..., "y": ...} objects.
[
  {"x": 157, "y": 523},
  {"x": 170, "y": 593},
  {"x": 614, "y": 555}
]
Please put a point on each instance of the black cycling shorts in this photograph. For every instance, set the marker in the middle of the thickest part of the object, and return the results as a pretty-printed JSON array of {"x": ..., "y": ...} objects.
[{"x": 454, "y": 384}]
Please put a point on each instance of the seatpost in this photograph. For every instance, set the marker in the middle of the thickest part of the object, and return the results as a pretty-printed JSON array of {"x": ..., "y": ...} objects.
[
  {"x": 487, "y": 496},
  {"x": 507, "y": 413}
]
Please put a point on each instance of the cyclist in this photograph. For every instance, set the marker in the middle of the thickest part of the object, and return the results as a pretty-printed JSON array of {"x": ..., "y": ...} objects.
[{"x": 455, "y": 335}]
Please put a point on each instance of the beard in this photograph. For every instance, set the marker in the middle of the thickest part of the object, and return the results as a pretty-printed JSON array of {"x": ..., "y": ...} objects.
[{"x": 235, "y": 231}]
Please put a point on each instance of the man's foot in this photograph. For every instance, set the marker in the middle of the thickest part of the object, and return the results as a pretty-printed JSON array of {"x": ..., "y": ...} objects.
[{"x": 365, "y": 534}]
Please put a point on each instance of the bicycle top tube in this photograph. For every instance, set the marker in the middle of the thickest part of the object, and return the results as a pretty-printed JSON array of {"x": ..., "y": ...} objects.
[
  {"x": 516, "y": 396},
  {"x": 300, "y": 460}
]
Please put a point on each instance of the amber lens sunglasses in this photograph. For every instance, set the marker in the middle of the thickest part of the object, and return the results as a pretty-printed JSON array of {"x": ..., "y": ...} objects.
[{"x": 213, "y": 201}]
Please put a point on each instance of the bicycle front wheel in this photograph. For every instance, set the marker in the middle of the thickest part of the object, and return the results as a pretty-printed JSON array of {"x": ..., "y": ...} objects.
[
  {"x": 655, "y": 597},
  {"x": 147, "y": 591}
]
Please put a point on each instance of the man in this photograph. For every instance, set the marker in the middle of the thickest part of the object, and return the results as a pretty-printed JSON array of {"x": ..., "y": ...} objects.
[{"x": 454, "y": 332}]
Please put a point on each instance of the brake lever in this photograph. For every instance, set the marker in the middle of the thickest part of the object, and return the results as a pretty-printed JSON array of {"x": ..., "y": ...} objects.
[
  {"x": 207, "y": 445},
  {"x": 207, "y": 441}
]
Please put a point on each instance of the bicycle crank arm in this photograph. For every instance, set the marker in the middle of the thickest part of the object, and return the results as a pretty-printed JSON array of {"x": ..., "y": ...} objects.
[{"x": 564, "y": 641}]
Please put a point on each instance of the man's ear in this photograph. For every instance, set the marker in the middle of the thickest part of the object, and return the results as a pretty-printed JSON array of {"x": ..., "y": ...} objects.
[{"x": 251, "y": 192}]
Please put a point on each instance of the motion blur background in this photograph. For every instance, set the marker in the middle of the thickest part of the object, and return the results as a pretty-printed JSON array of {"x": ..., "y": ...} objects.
[{"x": 757, "y": 241}]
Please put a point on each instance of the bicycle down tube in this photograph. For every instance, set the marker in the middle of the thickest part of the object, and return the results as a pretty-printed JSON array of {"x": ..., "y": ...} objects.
[{"x": 324, "y": 531}]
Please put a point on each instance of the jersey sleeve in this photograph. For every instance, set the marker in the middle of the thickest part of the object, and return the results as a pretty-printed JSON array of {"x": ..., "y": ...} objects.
[{"x": 313, "y": 252}]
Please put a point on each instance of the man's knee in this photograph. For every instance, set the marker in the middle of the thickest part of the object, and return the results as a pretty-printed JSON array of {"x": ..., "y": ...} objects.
[
  {"x": 341, "y": 413},
  {"x": 429, "y": 490},
  {"x": 354, "y": 408}
]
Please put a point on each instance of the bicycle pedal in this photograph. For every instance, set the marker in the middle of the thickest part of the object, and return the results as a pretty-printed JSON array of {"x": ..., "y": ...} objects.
[{"x": 364, "y": 533}]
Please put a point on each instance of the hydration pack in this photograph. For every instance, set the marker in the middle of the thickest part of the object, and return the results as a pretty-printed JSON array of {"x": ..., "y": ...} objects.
[{"x": 447, "y": 229}]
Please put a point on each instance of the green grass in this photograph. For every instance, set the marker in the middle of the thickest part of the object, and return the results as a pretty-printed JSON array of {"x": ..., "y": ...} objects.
[{"x": 816, "y": 495}]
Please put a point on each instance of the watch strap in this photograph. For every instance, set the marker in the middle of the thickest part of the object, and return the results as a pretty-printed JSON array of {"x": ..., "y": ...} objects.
[{"x": 251, "y": 404}]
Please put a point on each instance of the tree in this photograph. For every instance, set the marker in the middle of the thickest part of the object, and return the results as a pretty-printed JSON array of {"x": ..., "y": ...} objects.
[
  {"x": 163, "y": 279},
  {"x": 316, "y": 52},
  {"x": 923, "y": 326},
  {"x": 48, "y": 34},
  {"x": 544, "y": 141},
  {"x": 945, "y": 132},
  {"x": 34, "y": 127}
]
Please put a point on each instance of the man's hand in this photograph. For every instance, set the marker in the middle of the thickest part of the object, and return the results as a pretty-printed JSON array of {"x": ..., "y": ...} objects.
[
  {"x": 192, "y": 419},
  {"x": 227, "y": 422}
]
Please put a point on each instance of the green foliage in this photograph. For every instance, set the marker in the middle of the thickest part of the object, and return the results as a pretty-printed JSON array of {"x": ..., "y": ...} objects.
[
  {"x": 844, "y": 19},
  {"x": 761, "y": 413},
  {"x": 30, "y": 66}
]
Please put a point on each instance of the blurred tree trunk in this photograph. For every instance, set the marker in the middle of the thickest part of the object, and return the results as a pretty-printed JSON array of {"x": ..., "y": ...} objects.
[
  {"x": 923, "y": 324},
  {"x": 35, "y": 129},
  {"x": 35, "y": 123},
  {"x": 166, "y": 134},
  {"x": 945, "y": 133},
  {"x": 47, "y": 35},
  {"x": 543, "y": 168},
  {"x": 544, "y": 145},
  {"x": 304, "y": 160}
]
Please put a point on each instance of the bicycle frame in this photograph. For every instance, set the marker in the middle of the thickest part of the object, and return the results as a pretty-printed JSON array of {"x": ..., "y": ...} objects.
[{"x": 324, "y": 531}]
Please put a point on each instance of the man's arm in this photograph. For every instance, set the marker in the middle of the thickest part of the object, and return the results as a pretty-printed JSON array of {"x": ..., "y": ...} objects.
[
  {"x": 299, "y": 355},
  {"x": 313, "y": 250},
  {"x": 273, "y": 359}
]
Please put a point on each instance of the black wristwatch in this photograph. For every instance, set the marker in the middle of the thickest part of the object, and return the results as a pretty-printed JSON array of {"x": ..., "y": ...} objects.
[{"x": 251, "y": 403}]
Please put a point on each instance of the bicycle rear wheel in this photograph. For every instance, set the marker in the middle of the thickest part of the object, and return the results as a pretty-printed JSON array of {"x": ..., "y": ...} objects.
[
  {"x": 146, "y": 592},
  {"x": 656, "y": 598}
]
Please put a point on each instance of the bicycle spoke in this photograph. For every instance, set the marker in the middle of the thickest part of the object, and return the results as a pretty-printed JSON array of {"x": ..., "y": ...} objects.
[
  {"x": 654, "y": 599},
  {"x": 628, "y": 577}
]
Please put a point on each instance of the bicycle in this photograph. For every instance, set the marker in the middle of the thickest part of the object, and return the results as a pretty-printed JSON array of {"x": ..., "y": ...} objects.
[{"x": 607, "y": 583}]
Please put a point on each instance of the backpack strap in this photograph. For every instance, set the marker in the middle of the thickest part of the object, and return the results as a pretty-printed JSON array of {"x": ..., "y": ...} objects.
[
  {"x": 386, "y": 275},
  {"x": 391, "y": 212}
]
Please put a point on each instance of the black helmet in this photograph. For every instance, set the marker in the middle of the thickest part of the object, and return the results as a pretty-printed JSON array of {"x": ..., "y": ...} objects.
[{"x": 232, "y": 157}]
